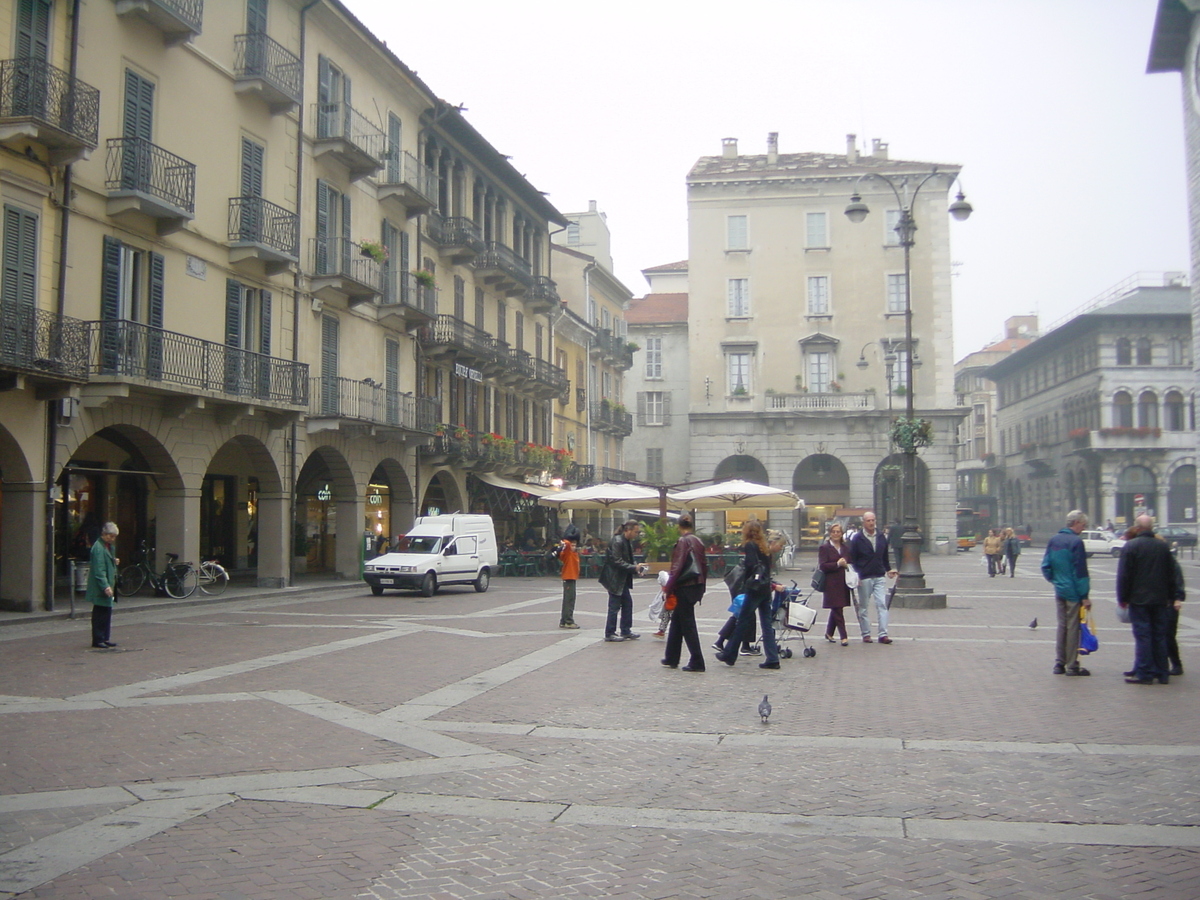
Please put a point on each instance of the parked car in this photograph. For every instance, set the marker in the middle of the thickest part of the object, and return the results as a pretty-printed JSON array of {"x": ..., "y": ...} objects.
[
  {"x": 1101, "y": 542},
  {"x": 449, "y": 549},
  {"x": 1024, "y": 538},
  {"x": 1180, "y": 536}
]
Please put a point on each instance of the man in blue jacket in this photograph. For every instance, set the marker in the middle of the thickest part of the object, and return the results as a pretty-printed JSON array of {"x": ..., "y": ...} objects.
[
  {"x": 869, "y": 556},
  {"x": 1065, "y": 566}
]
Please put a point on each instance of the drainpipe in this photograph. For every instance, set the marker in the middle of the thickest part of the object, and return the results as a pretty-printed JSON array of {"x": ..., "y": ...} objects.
[
  {"x": 587, "y": 382},
  {"x": 64, "y": 215}
]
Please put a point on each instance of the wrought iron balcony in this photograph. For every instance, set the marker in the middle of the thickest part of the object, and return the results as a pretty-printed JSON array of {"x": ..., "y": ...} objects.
[
  {"x": 36, "y": 343},
  {"x": 126, "y": 350},
  {"x": 608, "y": 474},
  {"x": 406, "y": 303},
  {"x": 346, "y": 135},
  {"x": 259, "y": 229},
  {"x": 408, "y": 181},
  {"x": 517, "y": 370},
  {"x": 502, "y": 268},
  {"x": 543, "y": 295},
  {"x": 45, "y": 105},
  {"x": 335, "y": 402},
  {"x": 457, "y": 237},
  {"x": 265, "y": 67},
  {"x": 340, "y": 269},
  {"x": 581, "y": 475},
  {"x": 450, "y": 336},
  {"x": 143, "y": 177},
  {"x": 611, "y": 419},
  {"x": 549, "y": 380},
  {"x": 178, "y": 20}
]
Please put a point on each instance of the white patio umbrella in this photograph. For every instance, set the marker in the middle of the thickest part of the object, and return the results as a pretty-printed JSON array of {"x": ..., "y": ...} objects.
[
  {"x": 604, "y": 496},
  {"x": 737, "y": 494}
]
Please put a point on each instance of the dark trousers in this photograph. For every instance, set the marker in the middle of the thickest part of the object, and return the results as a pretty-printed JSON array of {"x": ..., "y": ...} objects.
[
  {"x": 760, "y": 604},
  {"x": 730, "y": 626},
  {"x": 837, "y": 619},
  {"x": 1172, "y": 641},
  {"x": 1012, "y": 566},
  {"x": 683, "y": 627},
  {"x": 619, "y": 603},
  {"x": 101, "y": 624},
  {"x": 568, "y": 603},
  {"x": 1150, "y": 640}
]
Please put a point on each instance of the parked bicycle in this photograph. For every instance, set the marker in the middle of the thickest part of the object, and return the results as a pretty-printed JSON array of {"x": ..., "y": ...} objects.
[
  {"x": 213, "y": 577},
  {"x": 177, "y": 580}
]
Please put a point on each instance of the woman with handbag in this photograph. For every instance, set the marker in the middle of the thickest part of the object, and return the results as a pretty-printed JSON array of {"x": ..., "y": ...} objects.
[
  {"x": 757, "y": 560},
  {"x": 686, "y": 583},
  {"x": 833, "y": 559}
]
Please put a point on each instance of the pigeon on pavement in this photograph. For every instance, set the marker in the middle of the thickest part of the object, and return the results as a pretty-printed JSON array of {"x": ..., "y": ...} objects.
[
  {"x": 764, "y": 709},
  {"x": 1033, "y": 624}
]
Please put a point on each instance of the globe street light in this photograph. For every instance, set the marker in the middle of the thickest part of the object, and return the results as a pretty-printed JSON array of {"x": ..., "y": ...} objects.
[{"x": 908, "y": 433}]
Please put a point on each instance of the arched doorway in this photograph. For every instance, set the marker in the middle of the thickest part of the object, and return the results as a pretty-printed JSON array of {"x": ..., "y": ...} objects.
[
  {"x": 325, "y": 496},
  {"x": 442, "y": 496},
  {"x": 823, "y": 483},
  {"x": 243, "y": 511},
  {"x": 746, "y": 468},
  {"x": 1181, "y": 495},
  {"x": 388, "y": 506},
  {"x": 889, "y": 497},
  {"x": 1137, "y": 491}
]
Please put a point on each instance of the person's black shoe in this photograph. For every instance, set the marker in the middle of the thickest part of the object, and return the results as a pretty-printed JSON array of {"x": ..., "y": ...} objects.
[
  {"x": 690, "y": 668},
  {"x": 1130, "y": 673},
  {"x": 768, "y": 665},
  {"x": 1062, "y": 670},
  {"x": 1139, "y": 681},
  {"x": 1176, "y": 669},
  {"x": 669, "y": 665},
  {"x": 109, "y": 644},
  {"x": 729, "y": 660},
  {"x": 99, "y": 646},
  {"x": 1164, "y": 681},
  {"x": 1078, "y": 670}
]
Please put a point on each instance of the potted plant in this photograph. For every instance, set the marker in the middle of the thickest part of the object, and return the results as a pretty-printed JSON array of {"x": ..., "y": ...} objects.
[
  {"x": 658, "y": 539},
  {"x": 835, "y": 386},
  {"x": 424, "y": 277},
  {"x": 374, "y": 249},
  {"x": 740, "y": 391}
]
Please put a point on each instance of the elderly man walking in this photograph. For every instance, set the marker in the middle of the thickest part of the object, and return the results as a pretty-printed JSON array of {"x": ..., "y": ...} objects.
[
  {"x": 1147, "y": 585},
  {"x": 1065, "y": 566},
  {"x": 101, "y": 586}
]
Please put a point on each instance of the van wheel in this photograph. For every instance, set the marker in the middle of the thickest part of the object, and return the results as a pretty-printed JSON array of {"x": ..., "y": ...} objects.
[
  {"x": 1116, "y": 551},
  {"x": 429, "y": 585},
  {"x": 482, "y": 582},
  {"x": 376, "y": 590}
]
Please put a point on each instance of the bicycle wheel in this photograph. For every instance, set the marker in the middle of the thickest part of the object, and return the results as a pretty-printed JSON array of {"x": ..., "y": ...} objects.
[
  {"x": 213, "y": 578},
  {"x": 180, "y": 581},
  {"x": 130, "y": 581}
]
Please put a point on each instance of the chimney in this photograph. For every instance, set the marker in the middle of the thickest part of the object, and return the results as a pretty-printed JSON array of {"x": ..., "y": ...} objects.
[
  {"x": 729, "y": 148},
  {"x": 852, "y": 148},
  {"x": 772, "y": 148},
  {"x": 591, "y": 206},
  {"x": 879, "y": 148}
]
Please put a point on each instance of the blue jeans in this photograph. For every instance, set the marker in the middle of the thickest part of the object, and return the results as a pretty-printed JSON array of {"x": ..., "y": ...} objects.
[
  {"x": 623, "y": 603},
  {"x": 1150, "y": 638},
  {"x": 869, "y": 588},
  {"x": 760, "y": 602}
]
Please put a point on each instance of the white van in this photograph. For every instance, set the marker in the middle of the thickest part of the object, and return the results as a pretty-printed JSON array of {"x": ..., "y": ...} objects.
[{"x": 452, "y": 549}]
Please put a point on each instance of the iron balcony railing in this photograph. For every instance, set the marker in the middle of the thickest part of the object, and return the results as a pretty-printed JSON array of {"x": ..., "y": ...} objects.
[
  {"x": 581, "y": 474},
  {"x": 520, "y": 365},
  {"x": 453, "y": 231},
  {"x": 453, "y": 332},
  {"x": 135, "y": 164},
  {"x": 403, "y": 289},
  {"x": 33, "y": 340},
  {"x": 544, "y": 289},
  {"x": 608, "y": 474},
  {"x": 131, "y": 349},
  {"x": 259, "y": 56},
  {"x": 404, "y": 168},
  {"x": 343, "y": 121},
  {"x": 34, "y": 89},
  {"x": 258, "y": 221},
  {"x": 345, "y": 258},
  {"x": 552, "y": 376},
  {"x": 369, "y": 401},
  {"x": 612, "y": 419},
  {"x": 190, "y": 12},
  {"x": 505, "y": 259}
]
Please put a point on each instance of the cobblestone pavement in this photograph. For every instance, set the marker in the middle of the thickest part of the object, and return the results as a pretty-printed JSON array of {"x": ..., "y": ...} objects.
[{"x": 329, "y": 744}]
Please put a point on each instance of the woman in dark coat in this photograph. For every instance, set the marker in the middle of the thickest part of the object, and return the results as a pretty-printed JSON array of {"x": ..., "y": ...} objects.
[
  {"x": 833, "y": 557},
  {"x": 758, "y": 600}
]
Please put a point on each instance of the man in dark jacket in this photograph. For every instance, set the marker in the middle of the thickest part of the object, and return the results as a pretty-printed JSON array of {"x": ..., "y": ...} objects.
[
  {"x": 1065, "y": 566},
  {"x": 869, "y": 556},
  {"x": 1146, "y": 586},
  {"x": 617, "y": 578}
]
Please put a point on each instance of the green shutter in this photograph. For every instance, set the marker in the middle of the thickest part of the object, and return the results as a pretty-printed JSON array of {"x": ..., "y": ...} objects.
[
  {"x": 154, "y": 337},
  {"x": 256, "y": 16},
  {"x": 321, "y": 262},
  {"x": 33, "y": 29}
]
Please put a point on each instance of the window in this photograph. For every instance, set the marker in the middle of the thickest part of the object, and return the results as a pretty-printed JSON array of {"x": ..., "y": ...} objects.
[
  {"x": 737, "y": 368},
  {"x": 606, "y": 386},
  {"x": 537, "y": 340},
  {"x": 739, "y": 298},
  {"x": 737, "y": 236},
  {"x": 1124, "y": 352},
  {"x": 1176, "y": 352},
  {"x": 605, "y": 320},
  {"x": 818, "y": 295},
  {"x": 501, "y": 322},
  {"x": 1122, "y": 410},
  {"x": 333, "y": 222},
  {"x": 1143, "y": 352},
  {"x": 891, "y": 218},
  {"x": 333, "y": 100},
  {"x": 654, "y": 465},
  {"x": 654, "y": 408},
  {"x": 479, "y": 315},
  {"x": 816, "y": 230},
  {"x": 329, "y": 365},
  {"x": 818, "y": 371},
  {"x": 572, "y": 233},
  {"x": 1173, "y": 411},
  {"x": 460, "y": 298},
  {"x": 895, "y": 293},
  {"x": 519, "y": 328},
  {"x": 20, "y": 259},
  {"x": 1148, "y": 410},
  {"x": 654, "y": 357}
]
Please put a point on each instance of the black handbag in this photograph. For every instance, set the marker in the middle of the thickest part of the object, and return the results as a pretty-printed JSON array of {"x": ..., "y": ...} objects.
[
  {"x": 735, "y": 579},
  {"x": 690, "y": 573},
  {"x": 818, "y": 580}
]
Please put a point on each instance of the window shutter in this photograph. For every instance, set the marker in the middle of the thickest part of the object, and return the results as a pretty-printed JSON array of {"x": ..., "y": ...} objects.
[
  {"x": 154, "y": 342},
  {"x": 20, "y": 257},
  {"x": 387, "y": 235},
  {"x": 110, "y": 304},
  {"x": 324, "y": 96},
  {"x": 321, "y": 262},
  {"x": 264, "y": 340},
  {"x": 233, "y": 313},
  {"x": 641, "y": 408},
  {"x": 345, "y": 233},
  {"x": 666, "y": 407},
  {"x": 256, "y": 16},
  {"x": 252, "y": 168},
  {"x": 394, "y": 170},
  {"x": 139, "y": 106},
  {"x": 33, "y": 29},
  {"x": 391, "y": 381},
  {"x": 329, "y": 365}
]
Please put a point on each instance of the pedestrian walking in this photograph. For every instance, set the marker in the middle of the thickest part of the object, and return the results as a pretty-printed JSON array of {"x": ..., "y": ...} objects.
[
  {"x": 617, "y": 578},
  {"x": 568, "y": 554},
  {"x": 756, "y": 558},
  {"x": 869, "y": 557},
  {"x": 686, "y": 582},
  {"x": 1146, "y": 586},
  {"x": 1064, "y": 565},
  {"x": 833, "y": 558},
  {"x": 993, "y": 549},
  {"x": 102, "y": 586},
  {"x": 1012, "y": 549}
]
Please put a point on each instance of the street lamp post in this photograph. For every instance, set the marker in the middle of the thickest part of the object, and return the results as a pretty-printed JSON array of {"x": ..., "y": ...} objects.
[{"x": 908, "y": 433}]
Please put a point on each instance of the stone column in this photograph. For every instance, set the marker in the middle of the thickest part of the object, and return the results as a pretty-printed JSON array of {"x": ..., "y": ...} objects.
[
  {"x": 23, "y": 524},
  {"x": 349, "y": 537},
  {"x": 178, "y": 525},
  {"x": 402, "y": 517},
  {"x": 274, "y": 539}
]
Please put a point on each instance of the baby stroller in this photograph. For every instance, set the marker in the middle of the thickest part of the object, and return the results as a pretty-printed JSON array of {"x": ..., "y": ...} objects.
[{"x": 792, "y": 617}]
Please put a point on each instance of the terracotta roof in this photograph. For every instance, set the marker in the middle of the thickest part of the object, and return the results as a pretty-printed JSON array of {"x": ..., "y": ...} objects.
[
  {"x": 680, "y": 266},
  {"x": 808, "y": 164},
  {"x": 658, "y": 309}
]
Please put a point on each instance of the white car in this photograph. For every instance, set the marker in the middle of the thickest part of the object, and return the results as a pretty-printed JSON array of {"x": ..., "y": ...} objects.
[{"x": 1101, "y": 542}]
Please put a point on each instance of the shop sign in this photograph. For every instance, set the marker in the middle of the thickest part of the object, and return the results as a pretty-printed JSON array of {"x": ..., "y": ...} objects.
[
  {"x": 374, "y": 499},
  {"x": 325, "y": 493},
  {"x": 466, "y": 372}
]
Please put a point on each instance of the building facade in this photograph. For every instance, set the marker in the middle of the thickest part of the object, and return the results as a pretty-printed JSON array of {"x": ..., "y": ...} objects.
[
  {"x": 269, "y": 334},
  {"x": 1098, "y": 413},
  {"x": 794, "y": 313}
]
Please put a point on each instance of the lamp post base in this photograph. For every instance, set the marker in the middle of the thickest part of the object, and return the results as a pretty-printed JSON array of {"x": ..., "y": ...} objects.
[{"x": 911, "y": 592}]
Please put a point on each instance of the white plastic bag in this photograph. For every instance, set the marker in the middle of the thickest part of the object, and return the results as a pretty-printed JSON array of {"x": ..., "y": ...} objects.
[
  {"x": 656, "y": 607},
  {"x": 851, "y": 578}
]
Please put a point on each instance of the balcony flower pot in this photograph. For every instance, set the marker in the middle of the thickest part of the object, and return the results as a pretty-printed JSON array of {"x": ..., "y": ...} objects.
[
  {"x": 373, "y": 250},
  {"x": 423, "y": 277}
]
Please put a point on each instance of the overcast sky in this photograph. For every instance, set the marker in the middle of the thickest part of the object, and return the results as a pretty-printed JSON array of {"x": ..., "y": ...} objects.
[{"x": 1072, "y": 156}]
